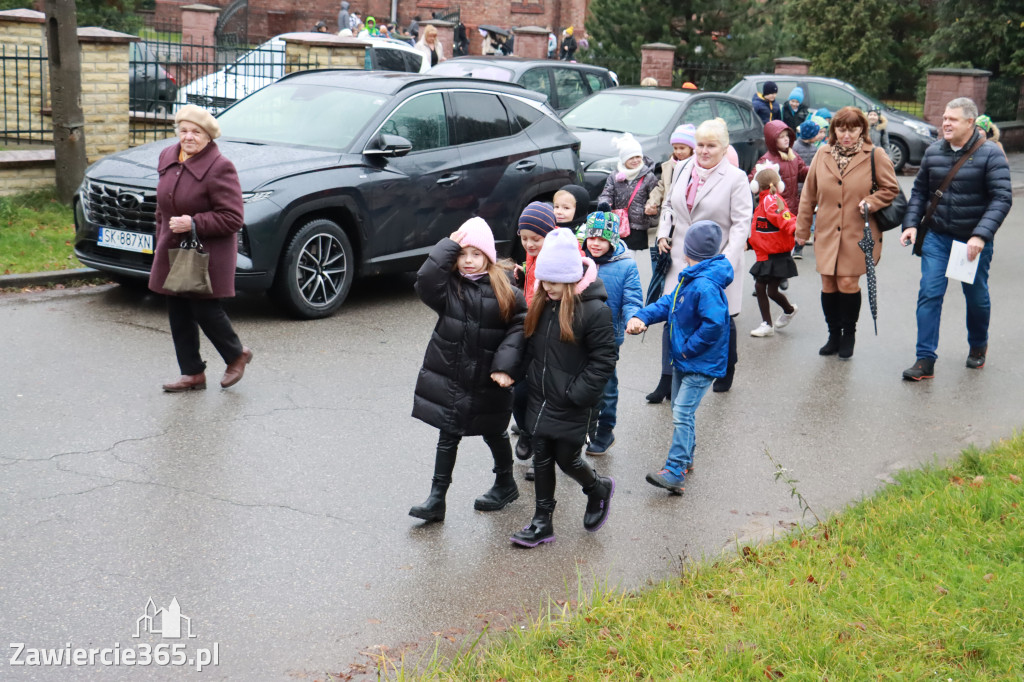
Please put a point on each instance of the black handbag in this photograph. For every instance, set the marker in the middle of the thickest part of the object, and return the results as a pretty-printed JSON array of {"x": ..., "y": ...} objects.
[
  {"x": 189, "y": 272},
  {"x": 890, "y": 217}
]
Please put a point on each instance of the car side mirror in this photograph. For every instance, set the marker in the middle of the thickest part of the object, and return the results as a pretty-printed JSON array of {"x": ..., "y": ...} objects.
[{"x": 388, "y": 145}]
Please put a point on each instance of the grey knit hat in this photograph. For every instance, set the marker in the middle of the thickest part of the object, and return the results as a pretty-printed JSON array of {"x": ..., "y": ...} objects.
[{"x": 703, "y": 240}]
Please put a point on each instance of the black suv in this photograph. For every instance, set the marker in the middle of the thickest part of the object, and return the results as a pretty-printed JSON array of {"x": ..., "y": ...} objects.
[
  {"x": 564, "y": 83},
  {"x": 347, "y": 173}
]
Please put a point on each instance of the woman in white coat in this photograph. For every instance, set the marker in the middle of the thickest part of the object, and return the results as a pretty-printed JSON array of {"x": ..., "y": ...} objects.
[
  {"x": 707, "y": 187},
  {"x": 430, "y": 46}
]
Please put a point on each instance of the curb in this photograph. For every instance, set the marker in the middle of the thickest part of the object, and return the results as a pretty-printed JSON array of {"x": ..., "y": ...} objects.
[{"x": 37, "y": 279}]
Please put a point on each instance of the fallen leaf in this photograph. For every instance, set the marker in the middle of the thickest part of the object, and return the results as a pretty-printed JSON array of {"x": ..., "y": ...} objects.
[
  {"x": 849, "y": 561},
  {"x": 860, "y": 626},
  {"x": 1014, "y": 478},
  {"x": 810, "y": 579},
  {"x": 560, "y": 602},
  {"x": 673, "y": 627},
  {"x": 772, "y": 674},
  {"x": 734, "y": 608},
  {"x": 613, "y": 652},
  {"x": 561, "y": 643},
  {"x": 988, "y": 577},
  {"x": 843, "y": 636},
  {"x": 956, "y": 480},
  {"x": 978, "y": 482},
  {"x": 604, "y": 633},
  {"x": 373, "y": 621},
  {"x": 941, "y": 590}
]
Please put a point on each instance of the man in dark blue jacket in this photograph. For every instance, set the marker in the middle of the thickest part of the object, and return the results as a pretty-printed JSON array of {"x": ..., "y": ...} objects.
[
  {"x": 764, "y": 103},
  {"x": 970, "y": 210}
]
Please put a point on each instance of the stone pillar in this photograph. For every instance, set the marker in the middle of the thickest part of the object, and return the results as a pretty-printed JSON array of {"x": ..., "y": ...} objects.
[
  {"x": 445, "y": 33},
  {"x": 304, "y": 51},
  {"x": 531, "y": 42},
  {"x": 26, "y": 89},
  {"x": 947, "y": 84},
  {"x": 104, "y": 90},
  {"x": 657, "y": 61},
  {"x": 792, "y": 66},
  {"x": 198, "y": 53}
]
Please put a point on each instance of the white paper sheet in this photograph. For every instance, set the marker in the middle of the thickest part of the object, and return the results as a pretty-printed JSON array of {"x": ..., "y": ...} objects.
[{"x": 959, "y": 267}]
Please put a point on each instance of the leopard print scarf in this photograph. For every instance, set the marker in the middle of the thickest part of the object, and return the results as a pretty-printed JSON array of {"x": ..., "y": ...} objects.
[{"x": 842, "y": 155}]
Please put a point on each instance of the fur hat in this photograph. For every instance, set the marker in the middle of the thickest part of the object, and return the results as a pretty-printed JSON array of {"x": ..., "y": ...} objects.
[
  {"x": 201, "y": 117},
  {"x": 703, "y": 240},
  {"x": 628, "y": 147},
  {"x": 770, "y": 88},
  {"x": 796, "y": 93},
  {"x": 537, "y": 217},
  {"x": 807, "y": 130},
  {"x": 559, "y": 259},
  {"x": 766, "y": 174},
  {"x": 604, "y": 224},
  {"x": 685, "y": 134},
  {"x": 476, "y": 232}
]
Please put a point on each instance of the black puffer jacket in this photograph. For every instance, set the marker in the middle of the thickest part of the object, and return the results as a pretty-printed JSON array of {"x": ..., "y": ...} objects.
[
  {"x": 617, "y": 193},
  {"x": 978, "y": 199},
  {"x": 454, "y": 390},
  {"x": 566, "y": 380}
]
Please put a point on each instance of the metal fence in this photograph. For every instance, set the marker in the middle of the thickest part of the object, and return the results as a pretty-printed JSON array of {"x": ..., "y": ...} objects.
[
  {"x": 24, "y": 72},
  {"x": 706, "y": 74}
]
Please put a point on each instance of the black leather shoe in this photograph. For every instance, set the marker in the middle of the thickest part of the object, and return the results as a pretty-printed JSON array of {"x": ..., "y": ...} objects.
[
  {"x": 976, "y": 358},
  {"x": 663, "y": 390}
]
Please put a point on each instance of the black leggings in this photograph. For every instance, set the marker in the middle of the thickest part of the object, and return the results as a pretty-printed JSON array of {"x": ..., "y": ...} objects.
[
  {"x": 548, "y": 451},
  {"x": 768, "y": 287}
]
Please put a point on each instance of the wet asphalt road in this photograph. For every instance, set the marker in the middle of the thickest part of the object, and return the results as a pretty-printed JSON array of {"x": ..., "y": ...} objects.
[{"x": 275, "y": 512}]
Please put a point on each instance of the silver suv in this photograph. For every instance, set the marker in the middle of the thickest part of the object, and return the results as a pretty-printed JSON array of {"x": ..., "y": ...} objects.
[{"x": 908, "y": 136}]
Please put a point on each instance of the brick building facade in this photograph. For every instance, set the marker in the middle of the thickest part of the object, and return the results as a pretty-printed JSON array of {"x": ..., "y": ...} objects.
[{"x": 268, "y": 18}]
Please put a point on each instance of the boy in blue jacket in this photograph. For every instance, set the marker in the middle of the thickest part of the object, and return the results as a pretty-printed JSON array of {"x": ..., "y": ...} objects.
[
  {"x": 617, "y": 269},
  {"x": 698, "y": 324}
]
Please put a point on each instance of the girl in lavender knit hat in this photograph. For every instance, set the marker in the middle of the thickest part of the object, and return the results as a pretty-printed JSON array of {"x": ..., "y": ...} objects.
[{"x": 570, "y": 355}]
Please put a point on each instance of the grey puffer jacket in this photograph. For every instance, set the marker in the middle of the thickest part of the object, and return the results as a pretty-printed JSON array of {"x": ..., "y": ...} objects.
[
  {"x": 617, "y": 193},
  {"x": 454, "y": 390},
  {"x": 978, "y": 199}
]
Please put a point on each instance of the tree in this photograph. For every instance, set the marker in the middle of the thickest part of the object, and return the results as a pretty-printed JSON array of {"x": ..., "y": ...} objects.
[{"x": 982, "y": 35}]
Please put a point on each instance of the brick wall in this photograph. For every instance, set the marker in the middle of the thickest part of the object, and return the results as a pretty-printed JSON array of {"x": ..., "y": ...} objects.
[
  {"x": 656, "y": 62},
  {"x": 26, "y": 86},
  {"x": 326, "y": 51},
  {"x": 24, "y": 171},
  {"x": 104, "y": 90},
  {"x": 948, "y": 84}
]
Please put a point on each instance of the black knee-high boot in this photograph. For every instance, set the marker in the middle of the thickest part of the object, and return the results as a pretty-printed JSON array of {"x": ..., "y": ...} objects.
[
  {"x": 830, "y": 307},
  {"x": 504, "y": 489},
  {"x": 849, "y": 310},
  {"x": 433, "y": 508}
]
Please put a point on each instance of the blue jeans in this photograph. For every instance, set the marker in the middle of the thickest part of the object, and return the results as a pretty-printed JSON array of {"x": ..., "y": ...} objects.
[
  {"x": 687, "y": 391},
  {"x": 609, "y": 405},
  {"x": 934, "y": 258}
]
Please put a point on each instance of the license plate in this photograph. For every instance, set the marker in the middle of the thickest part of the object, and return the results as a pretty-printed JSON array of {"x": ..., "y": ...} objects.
[{"x": 126, "y": 241}]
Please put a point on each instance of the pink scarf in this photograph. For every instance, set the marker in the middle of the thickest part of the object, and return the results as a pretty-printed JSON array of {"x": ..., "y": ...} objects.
[{"x": 698, "y": 176}]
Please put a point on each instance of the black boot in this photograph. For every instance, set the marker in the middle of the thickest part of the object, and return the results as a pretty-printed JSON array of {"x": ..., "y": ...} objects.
[
  {"x": 599, "y": 497},
  {"x": 444, "y": 463},
  {"x": 830, "y": 307},
  {"x": 662, "y": 391},
  {"x": 434, "y": 507},
  {"x": 541, "y": 528},
  {"x": 504, "y": 489},
  {"x": 849, "y": 311}
]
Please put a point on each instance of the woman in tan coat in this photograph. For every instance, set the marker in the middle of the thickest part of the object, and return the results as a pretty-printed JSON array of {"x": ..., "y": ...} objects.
[{"x": 839, "y": 184}]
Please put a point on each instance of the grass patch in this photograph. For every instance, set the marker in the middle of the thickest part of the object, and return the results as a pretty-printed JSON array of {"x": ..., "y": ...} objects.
[
  {"x": 925, "y": 580},
  {"x": 36, "y": 233}
]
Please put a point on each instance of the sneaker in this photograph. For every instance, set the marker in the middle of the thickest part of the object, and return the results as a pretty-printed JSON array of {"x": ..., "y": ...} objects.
[
  {"x": 785, "y": 318},
  {"x": 764, "y": 329},
  {"x": 667, "y": 480},
  {"x": 976, "y": 358},
  {"x": 798, "y": 253},
  {"x": 924, "y": 368}
]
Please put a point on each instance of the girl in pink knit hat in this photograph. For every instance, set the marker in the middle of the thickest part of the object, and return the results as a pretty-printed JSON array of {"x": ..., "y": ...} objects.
[{"x": 475, "y": 354}]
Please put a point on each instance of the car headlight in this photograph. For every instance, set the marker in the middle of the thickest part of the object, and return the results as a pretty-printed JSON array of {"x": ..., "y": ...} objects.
[
  {"x": 253, "y": 197},
  {"x": 609, "y": 165},
  {"x": 922, "y": 129}
]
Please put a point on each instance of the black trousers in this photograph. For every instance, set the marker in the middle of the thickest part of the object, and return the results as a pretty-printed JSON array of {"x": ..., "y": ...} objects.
[
  {"x": 548, "y": 451},
  {"x": 448, "y": 450},
  {"x": 187, "y": 316}
]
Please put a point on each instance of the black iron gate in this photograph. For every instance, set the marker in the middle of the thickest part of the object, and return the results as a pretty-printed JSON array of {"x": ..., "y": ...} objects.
[{"x": 232, "y": 29}]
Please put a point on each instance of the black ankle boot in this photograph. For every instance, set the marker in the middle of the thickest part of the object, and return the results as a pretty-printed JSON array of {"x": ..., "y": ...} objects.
[
  {"x": 662, "y": 391},
  {"x": 830, "y": 307},
  {"x": 433, "y": 509},
  {"x": 849, "y": 313},
  {"x": 540, "y": 530},
  {"x": 501, "y": 493},
  {"x": 598, "y": 499}
]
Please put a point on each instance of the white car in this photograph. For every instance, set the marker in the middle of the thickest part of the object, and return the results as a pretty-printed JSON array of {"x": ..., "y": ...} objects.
[{"x": 265, "y": 64}]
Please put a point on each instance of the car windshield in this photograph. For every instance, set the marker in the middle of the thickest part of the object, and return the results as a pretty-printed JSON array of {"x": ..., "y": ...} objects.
[
  {"x": 624, "y": 112},
  {"x": 488, "y": 71},
  {"x": 302, "y": 114}
]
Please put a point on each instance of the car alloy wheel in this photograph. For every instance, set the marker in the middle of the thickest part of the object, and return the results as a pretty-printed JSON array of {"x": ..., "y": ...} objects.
[
  {"x": 317, "y": 270},
  {"x": 898, "y": 154}
]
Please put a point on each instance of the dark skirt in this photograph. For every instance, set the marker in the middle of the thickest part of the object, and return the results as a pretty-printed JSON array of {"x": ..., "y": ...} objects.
[
  {"x": 637, "y": 239},
  {"x": 778, "y": 266}
]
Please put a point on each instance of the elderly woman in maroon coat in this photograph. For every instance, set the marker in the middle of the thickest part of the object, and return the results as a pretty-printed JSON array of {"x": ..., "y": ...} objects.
[{"x": 199, "y": 186}]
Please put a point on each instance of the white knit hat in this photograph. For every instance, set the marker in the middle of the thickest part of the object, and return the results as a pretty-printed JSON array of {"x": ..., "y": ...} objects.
[{"x": 628, "y": 147}]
